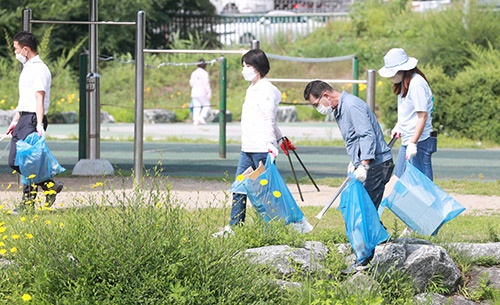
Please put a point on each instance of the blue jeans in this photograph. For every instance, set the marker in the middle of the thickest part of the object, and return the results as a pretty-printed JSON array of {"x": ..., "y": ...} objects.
[
  {"x": 422, "y": 160},
  {"x": 376, "y": 179},
  {"x": 238, "y": 209}
]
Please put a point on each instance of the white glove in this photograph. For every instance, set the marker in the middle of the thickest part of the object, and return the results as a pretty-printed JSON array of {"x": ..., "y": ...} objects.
[
  {"x": 360, "y": 172},
  {"x": 11, "y": 128},
  {"x": 350, "y": 168},
  {"x": 272, "y": 149},
  {"x": 396, "y": 132},
  {"x": 40, "y": 130},
  {"x": 411, "y": 150}
]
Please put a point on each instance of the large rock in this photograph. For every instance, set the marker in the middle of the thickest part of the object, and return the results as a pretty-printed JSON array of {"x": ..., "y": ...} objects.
[
  {"x": 287, "y": 114},
  {"x": 6, "y": 117},
  {"x": 157, "y": 116},
  {"x": 422, "y": 261},
  {"x": 283, "y": 258},
  {"x": 213, "y": 116}
]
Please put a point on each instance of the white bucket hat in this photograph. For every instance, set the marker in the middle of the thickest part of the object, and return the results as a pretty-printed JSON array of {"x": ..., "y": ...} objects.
[{"x": 396, "y": 60}]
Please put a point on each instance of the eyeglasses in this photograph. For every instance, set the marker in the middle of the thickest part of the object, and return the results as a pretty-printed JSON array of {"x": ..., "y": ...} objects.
[{"x": 315, "y": 105}]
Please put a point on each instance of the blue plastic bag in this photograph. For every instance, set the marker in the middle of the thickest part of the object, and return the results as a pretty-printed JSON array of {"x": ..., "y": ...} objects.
[
  {"x": 420, "y": 204},
  {"x": 35, "y": 161},
  {"x": 271, "y": 197},
  {"x": 362, "y": 222}
]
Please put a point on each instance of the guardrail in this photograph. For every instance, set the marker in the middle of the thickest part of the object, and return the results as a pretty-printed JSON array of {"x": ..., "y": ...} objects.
[{"x": 241, "y": 29}]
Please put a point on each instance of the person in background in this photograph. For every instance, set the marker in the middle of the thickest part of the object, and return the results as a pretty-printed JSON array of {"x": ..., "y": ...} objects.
[
  {"x": 259, "y": 131},
  {"x": 370, "y": 157},
  {"x": 415, "y": 107},
  {"x": 201, "y": 93},
  {"x": 31, "y": 111}
]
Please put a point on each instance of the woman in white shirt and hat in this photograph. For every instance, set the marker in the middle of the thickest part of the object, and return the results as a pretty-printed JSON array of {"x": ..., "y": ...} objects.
[{"x": 415, "y": 107}]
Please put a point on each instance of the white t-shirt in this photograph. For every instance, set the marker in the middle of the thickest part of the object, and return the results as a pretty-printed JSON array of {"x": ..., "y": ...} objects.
[
  {"x": 418, "y": 99},
  {"x": 200, "y": 84},
  {"x": 34, "y": 77},
  {"x": 258, "y": 117}
]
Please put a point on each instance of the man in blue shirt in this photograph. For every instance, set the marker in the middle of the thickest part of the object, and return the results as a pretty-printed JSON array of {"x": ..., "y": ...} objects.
[{"x": 371, "y": 158}]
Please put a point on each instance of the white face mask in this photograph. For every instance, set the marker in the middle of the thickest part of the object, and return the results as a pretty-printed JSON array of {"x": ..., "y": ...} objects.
[
  {"x": 21, "y": 58},
  {"x": 397, "y": 78},
  {"x": 324, "y": 110},
  {"x": 248, "y": 73}
]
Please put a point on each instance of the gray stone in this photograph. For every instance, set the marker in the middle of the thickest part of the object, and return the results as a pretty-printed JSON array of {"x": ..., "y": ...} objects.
[
  {"x": 287, "y": 114},
  {"x": 491, "y": 275},
  {"x": 422, "y": 262},
  {"x": 437, "y": 299},
  {"x": 106, "y": 117},
  {"x": 475, "y": 251},
  {"x": 289, "y": 285},
  {"x": 69, "y": 117},
  {"x": 213, "y": 116},
  {"x": 6, "y": 117},
  {"x": 283, "y": 258},
  {"x": 158, "y": 116}
]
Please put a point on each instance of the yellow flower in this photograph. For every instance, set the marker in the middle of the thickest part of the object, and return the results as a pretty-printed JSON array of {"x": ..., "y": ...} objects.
[
  {"x": 15, "y": 236},
  {"x": 2, "y": 229},
  {"x": 14, "y": 172},
  {"x": 178, "y": 93},
  {"x": 2, "y": 101},
  {"x": 1, "y": 207},
  {"x": 28, "y": 235},
  {"x": 3, "y": 251},
  {"x": 31, "y": 176},
  {"x": 9, "y": 186},
  {"x": 5, "y": 237},
  {"x": 240, "y": 178},
  {"x": 23, "y": 218},
  {"x": 2, "y": 223},
  {"x": 13, "y": 249},
  {"x": 277, "y": 194},
  {"x": 61, "y": 225},
  {"x": 47, "y": 222},
  {"x": 97, "y": 184},
  {"x": 283, "y": 95},
  {"x": 264, "y": 182},
  {"x": 362, "y": 87},
  {"x": 26, "y": 297},
  {"x": 2, "y": 244},
  {"x": 379, "y": 83},
  {"x": 50, "y": 185}
]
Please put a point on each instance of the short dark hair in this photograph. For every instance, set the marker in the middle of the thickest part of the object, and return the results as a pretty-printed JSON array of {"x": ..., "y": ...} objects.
[
  {"x": 26, "y": 39},
  {"x": 316, "y": 88},
  {"x": 201, "y": 63},
  {"x": 257, "y": 59}
]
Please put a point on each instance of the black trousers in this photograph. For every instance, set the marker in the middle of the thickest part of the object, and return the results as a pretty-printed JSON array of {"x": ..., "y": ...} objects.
[{"x": 25, "y": 126}]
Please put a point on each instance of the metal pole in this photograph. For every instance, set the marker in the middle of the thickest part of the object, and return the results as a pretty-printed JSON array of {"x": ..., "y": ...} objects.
[
  {"x": 82, "y": 118},
  {"x": 255, "y": 44},
  {"x": 355, "y": 75},
  {"x": 94, "y": 106},
  {"x": 140, "y": 34},
  {"x": 27, "y": 16},
  {"x": 371, "y": 79},
  {"x": 222, "y": 108}
]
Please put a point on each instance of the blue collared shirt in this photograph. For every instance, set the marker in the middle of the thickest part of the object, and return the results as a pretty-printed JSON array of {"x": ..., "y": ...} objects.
[{"x": 361, "y": 131}]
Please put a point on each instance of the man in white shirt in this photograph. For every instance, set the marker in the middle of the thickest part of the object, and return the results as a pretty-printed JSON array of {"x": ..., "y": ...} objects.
[
  {"x": 33, "y": 105},
  {"x": 201, "y": 93}
]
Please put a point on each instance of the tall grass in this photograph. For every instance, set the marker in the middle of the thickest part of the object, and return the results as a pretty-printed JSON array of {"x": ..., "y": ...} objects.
[{"x": 144, "y": 246}]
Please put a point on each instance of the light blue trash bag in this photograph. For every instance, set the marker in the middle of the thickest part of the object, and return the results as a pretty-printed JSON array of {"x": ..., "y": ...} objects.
[
  {"x": 420, "y": 204},
  {"x": 35, "y": 160},
  {"x": 271, "y": 197},
  {"x": 362, "y": 223}
]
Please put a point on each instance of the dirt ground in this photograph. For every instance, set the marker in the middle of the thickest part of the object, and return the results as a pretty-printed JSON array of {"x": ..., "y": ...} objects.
[{"x": 202, "y": 193}]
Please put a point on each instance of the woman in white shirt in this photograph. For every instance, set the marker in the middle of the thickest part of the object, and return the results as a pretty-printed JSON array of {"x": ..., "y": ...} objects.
[
  {"x": 201, "y": 93},
  {"x": 259, "y": 132},
  {"x": 415, "y": 107}
]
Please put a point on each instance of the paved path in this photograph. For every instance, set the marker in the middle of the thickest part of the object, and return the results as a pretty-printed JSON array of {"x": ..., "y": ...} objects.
[{"x": 202, "y": 159}]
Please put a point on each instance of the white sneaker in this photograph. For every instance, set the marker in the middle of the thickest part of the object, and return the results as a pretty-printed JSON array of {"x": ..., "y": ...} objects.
[
  {"x": 406, "y": 232},
  {"x": 225, "y": 231}
]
